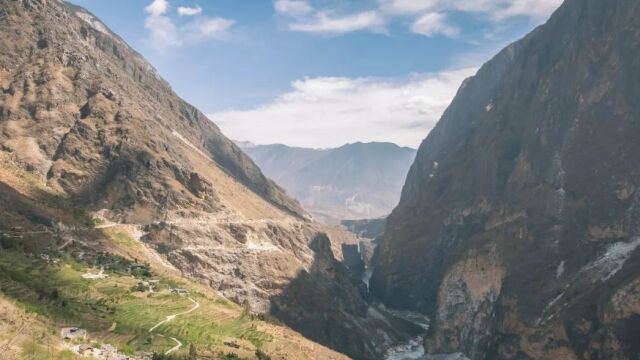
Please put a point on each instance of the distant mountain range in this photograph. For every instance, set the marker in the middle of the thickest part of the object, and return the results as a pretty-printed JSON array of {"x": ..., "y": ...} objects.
[{"x": 354, "y": 181}]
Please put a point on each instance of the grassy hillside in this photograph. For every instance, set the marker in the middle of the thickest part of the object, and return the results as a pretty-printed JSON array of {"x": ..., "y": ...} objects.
[{"x": 115, "y": 312}]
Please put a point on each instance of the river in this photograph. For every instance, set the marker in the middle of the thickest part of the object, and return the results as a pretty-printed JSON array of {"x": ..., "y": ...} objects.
[{"x": 414, "y": 348}]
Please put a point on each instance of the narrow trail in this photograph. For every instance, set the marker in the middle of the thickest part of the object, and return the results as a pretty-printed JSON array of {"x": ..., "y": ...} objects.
[
  {"x": 169, "y": 318},
  {"x": 107, "y": 225},
  {"x": 67, "y": 243},
  {"x": 175, "y": 348},
  {"x": 71, "y": 240}
]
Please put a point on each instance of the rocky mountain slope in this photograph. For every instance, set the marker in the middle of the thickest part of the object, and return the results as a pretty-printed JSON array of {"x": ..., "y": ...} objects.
[
  {"x": 59, "y": 267},
  {"x": 87, "y": 115},
  {"x": 354, "y": 181},
  {"x": 518, "y": 227},
  {"x": 92, "y": 137}
]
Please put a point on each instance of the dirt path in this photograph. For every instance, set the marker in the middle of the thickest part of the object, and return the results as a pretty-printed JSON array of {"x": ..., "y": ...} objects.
[
  {"x": 175, "y": 348},
  {"x": 67, "y": 243},
  {"x": 107, "y": 225},
  {"x": 170, "y": 318}
]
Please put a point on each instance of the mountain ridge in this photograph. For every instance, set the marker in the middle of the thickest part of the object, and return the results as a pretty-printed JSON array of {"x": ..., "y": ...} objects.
[{"x": 353, "y": 181}]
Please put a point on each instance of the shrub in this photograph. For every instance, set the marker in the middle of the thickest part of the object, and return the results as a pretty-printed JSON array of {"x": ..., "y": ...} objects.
[{"x": 261, "y": 355}]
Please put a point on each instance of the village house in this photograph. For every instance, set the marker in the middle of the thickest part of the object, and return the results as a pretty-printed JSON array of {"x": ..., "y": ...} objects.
[{"x": 180, "y": 291}]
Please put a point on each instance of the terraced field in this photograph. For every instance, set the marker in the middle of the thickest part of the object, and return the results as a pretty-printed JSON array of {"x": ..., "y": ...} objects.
[{"x": 113, "y": 312}]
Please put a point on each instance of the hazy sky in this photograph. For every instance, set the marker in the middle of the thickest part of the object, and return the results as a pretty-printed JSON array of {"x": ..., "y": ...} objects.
[{"x": 320, "y": 73}]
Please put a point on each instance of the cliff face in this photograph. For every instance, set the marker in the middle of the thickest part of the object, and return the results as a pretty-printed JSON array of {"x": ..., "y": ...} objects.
[{"x": 518, "y": 225}]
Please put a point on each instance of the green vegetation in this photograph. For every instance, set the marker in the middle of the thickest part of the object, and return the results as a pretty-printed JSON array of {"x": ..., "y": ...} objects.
[
  {"x": 97, "y": 221},
  {"x": 123, "y": 239},
  {"x": 221, "y": 356},
  {"x": 110, "y": 311},
  {"x": 261, "y": 355},
  {"x": 31, "y": 350}
]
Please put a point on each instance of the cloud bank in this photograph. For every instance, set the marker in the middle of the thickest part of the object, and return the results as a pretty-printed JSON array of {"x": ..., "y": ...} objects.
[
  {"x": 426, "y": 17},
  {"x": 164, "y": 33},
  {"x": 331, "y": 111}
]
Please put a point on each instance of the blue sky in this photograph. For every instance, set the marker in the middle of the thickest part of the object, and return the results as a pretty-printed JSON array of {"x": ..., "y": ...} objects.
[{"x": 320, "y": 73}]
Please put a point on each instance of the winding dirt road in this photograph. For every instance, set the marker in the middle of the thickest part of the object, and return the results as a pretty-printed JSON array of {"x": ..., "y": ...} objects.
[{"x": 169, "y": 318}]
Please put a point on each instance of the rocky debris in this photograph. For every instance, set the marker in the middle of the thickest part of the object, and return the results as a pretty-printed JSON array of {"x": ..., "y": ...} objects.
[
  {"x": 200, "y": 186},
  {"x": 516, "y": 231},
  {"x": 105, "y": 352}
]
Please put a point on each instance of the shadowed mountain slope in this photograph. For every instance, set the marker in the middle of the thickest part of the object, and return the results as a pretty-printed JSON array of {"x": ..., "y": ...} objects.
[{"x": 518, "y": 227}]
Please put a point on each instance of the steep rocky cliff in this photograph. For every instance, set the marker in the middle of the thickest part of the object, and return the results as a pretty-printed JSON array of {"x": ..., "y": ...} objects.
[
  {"x": 93, "y": 129},
  {"x": 518, "y": 226}
]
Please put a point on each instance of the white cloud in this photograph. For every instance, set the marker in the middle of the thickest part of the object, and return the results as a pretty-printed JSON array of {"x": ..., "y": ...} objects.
[
  {"x": 294, "y": 8},
  {"x": 431, "y": 24},
  {"x": 157, "y": 8},
  {"x": 308, "y": 19},
  {"x": 493, "y": 9},
  {"x": 428, "y": 16},
  {"x": 162, "y": 31},
  {"x": 399, "y": 7},
  {"x": 165, "y": 34},
  {"x": 325, "y": 23},
  {"x": 331, "y": 111},
  {"x": 189, "y": 11},
  {"x": 208, "y": 28}
]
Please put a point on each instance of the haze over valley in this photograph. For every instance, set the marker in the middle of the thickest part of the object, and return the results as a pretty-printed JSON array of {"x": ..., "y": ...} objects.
[{"x": 354, "y": 181}]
